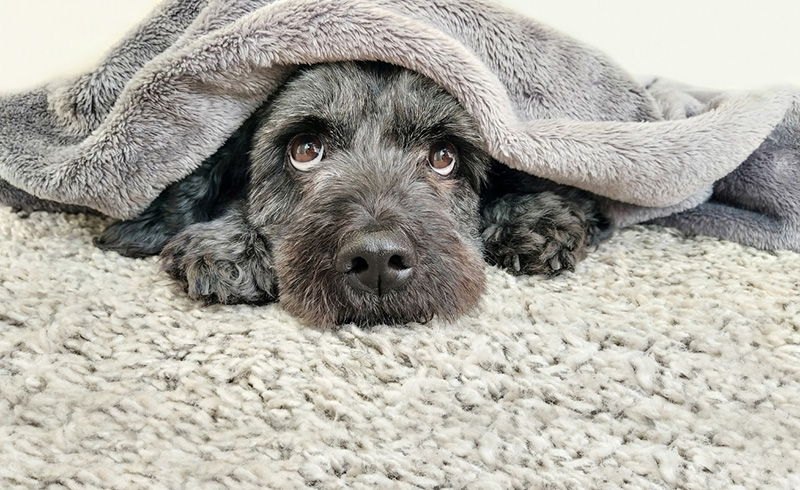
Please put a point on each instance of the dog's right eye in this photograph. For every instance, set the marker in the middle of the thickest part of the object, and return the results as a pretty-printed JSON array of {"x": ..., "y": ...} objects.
[
  {"x": 442, "y": 158},
  {"x": 305, "y": 151}
]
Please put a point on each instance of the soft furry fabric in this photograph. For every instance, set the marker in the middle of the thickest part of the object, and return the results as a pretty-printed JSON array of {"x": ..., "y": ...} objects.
[
  {"x": 171, "y": 93},
  {"x": 661, "y": 363}
]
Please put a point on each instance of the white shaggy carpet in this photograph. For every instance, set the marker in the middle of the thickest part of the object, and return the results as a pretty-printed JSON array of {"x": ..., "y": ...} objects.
[{"x": 664, "y": 362}]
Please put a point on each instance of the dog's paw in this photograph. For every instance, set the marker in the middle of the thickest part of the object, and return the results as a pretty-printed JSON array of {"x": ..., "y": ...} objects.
[
  {"x": 218, "y": 264},
  {"x": 534, "y": 233}
]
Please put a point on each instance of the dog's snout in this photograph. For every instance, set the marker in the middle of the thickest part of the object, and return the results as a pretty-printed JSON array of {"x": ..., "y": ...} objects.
[{"x": 377, "y": 262}]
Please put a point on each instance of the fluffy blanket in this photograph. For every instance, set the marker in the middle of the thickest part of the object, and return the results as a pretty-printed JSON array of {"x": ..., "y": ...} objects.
[{"x": 171, "y": 93}]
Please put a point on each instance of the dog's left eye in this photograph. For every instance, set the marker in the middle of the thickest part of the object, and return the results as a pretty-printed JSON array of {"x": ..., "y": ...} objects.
[
  {"x": 305, "y": 151},
  {"x": 442, "y": 157}
]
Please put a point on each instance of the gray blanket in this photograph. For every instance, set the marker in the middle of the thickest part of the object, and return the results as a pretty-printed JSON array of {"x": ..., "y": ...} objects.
[{"x": 166, "y": 97}]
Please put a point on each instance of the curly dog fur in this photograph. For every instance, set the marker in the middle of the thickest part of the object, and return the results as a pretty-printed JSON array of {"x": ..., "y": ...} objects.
[{"x": 389, "y": 223}]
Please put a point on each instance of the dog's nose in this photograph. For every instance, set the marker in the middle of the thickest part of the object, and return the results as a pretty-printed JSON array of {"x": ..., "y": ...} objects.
[{"x": 376, "y": 262}]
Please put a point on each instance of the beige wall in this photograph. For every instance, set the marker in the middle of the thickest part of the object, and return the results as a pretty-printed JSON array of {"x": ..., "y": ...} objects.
[
  {"x": 717, "y": 43},
  {"x": 720, "y": 43},
  {"x": 43, "y": 39}
]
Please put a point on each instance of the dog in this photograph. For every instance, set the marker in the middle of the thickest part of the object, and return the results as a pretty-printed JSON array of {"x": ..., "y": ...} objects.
[{"x": 359, "y": 193}]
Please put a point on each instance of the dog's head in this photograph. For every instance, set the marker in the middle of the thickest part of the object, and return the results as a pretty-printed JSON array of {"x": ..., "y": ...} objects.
[{"x": 365, "y": 177}]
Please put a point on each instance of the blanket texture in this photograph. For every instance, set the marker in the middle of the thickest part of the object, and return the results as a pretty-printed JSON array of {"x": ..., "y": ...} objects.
[
  {"x": 664, "y": 362},
  {"x": 170, "y": 94}
]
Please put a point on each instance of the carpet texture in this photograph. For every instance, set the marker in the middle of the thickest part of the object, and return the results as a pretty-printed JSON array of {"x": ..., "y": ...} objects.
[{"x": 663, "y": 362}]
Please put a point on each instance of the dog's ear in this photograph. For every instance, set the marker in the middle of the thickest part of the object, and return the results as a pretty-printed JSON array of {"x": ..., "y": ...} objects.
[
  {"x": 201, "y": 196},
  {"x": 140, "y": 237}
]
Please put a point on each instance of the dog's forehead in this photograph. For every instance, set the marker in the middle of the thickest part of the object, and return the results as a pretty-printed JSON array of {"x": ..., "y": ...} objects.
[{"x": 349, "y": 94}]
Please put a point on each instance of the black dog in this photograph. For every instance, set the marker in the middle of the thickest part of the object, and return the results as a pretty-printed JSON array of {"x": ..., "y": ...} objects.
[{"x": 358, "y": 193}]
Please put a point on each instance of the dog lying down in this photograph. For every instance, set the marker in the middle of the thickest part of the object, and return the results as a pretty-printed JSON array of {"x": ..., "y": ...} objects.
[{"x": 359, "y": 193}]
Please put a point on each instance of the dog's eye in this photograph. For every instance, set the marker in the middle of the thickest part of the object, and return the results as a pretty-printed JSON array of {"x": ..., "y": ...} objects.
[
  {"x": 442, "y": 157},
  {"x": 305, "y": 151}
]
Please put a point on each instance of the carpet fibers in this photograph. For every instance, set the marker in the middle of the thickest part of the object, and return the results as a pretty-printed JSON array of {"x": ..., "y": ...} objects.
[{"x": 663, "y": 362}]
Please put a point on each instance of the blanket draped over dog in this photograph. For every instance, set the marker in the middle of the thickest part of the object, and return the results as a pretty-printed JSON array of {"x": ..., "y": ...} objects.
[{"x": 169, "y": 95}]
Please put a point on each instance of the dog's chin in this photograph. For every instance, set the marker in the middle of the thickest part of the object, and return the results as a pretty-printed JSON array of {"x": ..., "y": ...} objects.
[
  {"x": 322, "y": 297},
  {"x": 410, "y": 305}
]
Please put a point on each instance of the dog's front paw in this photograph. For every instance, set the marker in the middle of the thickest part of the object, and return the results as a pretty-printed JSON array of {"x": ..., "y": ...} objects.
[
  {"x": 218, "y": 263},
  {"x": 534, "y": 233}
]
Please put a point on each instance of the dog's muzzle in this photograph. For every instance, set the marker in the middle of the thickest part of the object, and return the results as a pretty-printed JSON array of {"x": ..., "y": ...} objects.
[{"x": 376, "y": 262}]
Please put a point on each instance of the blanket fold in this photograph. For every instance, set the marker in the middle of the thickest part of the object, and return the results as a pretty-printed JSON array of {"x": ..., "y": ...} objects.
[{"x": 169, "y": 95}]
